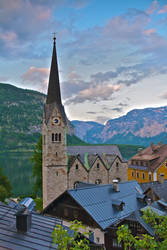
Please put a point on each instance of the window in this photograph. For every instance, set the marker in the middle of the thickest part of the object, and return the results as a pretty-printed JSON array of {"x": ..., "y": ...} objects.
[
  {"x": 97, "y": 239},
  {"x": 75, "y": 184},
  {"x": 137, "y": 174},
  {"x": 133, "y": 174},
  {"x": 44, "y": 140},
  {"x": 116, "y": 244},
  {"x": 165, "y": 164},
  {"x": 117, "y": 166},
  {"x": 57, "y": 173},
  {"x": 149, "y": 177},
  {"x": 98, "y": 166},
  {"x": 143, "y": 176},
  {"x": 76, "y": 166},
  {"x": 65, "y": 212},
  {"x": 98, "y": 181},
  {"x": 56, "y": 137},
  {"x": 75, "y": 214}
]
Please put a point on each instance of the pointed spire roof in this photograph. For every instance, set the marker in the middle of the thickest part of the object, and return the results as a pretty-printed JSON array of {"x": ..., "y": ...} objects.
[{"x": 54, "y": 94}]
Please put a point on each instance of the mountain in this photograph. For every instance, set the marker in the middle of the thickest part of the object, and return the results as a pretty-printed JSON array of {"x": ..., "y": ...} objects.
[
  {"x": 21, "y": 117},
  {"x": 137, "y": 127}
]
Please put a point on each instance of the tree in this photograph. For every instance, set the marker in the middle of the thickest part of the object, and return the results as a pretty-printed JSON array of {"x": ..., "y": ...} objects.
[
  {"x": 145, "y": 241},
  {"x": 71, "y": 239},
  {"x": 36, "y": 159},
  {"x": 5, "y": 187}
]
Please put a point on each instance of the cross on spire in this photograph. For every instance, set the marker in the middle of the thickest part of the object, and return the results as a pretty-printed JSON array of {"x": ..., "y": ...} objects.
[{"x": 54, "y": 37}]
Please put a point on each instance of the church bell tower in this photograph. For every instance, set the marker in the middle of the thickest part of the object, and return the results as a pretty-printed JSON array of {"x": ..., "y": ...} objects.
[{"x": 54, "y": 160}]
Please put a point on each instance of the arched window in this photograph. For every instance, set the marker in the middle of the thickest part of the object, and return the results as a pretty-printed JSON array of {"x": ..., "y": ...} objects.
[
  {"x": 75, "y": 184},
  {"x": 98, "y": 181},
  {"x": 56, "y": 137},
  {"x": 98, "y": 166},
  {"x": 117, "y": 166},
  {"x": 53, "y": 137},
  {"x": 76, "y": 166}
]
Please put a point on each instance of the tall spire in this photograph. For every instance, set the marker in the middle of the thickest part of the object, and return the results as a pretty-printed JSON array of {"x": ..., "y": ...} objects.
[{"x": 54, "y": 94}]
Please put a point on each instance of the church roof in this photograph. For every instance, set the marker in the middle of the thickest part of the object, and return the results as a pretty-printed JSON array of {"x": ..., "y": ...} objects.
[
  {"x": 54, "y": 85},
  {"x": 54, "y": 93},
  {"x": 88, "y": 154}
]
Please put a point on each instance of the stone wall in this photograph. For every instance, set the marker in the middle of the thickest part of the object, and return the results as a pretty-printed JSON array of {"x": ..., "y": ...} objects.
[{"x": 98, "y": 172}]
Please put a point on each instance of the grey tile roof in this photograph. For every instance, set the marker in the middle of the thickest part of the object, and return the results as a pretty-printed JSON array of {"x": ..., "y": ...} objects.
[
  {"x": 94, "y": 149},
  {"x": 97, "y": 201},
  {"x": 159, "y": 188},
  {"x": 38, "y": 237},
  {"x": 88, "y": 154}
]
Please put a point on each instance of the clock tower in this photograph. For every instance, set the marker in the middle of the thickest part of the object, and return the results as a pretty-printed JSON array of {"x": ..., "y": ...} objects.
[{"x": 54, "y": 160}]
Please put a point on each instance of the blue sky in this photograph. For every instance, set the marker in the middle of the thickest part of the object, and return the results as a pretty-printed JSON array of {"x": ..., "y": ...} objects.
[{"x": 111, "y": 53}]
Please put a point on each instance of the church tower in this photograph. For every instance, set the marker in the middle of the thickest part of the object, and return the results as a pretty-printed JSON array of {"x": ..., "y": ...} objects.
[{"x": 54, "y": 161}]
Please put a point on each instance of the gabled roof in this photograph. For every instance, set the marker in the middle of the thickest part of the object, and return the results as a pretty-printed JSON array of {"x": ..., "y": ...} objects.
[
  {"x": 38, "y": 237},
  {"x": 159, "y": 188},
  {"x": 97, "y": 201},
  {"x": 156, "y": 154},
  {"x": 88, "y": 154}
]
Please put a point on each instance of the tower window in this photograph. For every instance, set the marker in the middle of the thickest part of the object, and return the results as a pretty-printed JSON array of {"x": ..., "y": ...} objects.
[
  {"x": 53, "y": 137},
  {"x": 56, "y": 137},
  {"x": 44, "y": 140}
]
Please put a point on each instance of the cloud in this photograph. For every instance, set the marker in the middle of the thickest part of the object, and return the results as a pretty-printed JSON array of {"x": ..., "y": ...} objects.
[
  {"x": 149, "y": 31},
  {"x": 102, "y": 119},
  {"x": 94, "y": 94},
  {"x": 36, "y": 77},
  {"x": 163, "y": 10},
  {"x": 153, "y": 7},
  {"x": 91, "y": 112},
  {"x": 164, "y": 95}
]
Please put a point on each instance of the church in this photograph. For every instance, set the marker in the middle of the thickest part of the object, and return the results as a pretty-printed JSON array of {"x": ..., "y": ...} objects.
[{"x": 64, "y": 166}]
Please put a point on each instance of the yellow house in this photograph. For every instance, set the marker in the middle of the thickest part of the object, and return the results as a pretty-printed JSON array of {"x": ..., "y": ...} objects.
[{"x": 149, "y": 164}]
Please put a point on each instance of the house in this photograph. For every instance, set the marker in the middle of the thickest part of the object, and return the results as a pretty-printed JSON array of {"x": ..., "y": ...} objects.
[
  {"x": 62, "y": 166},
  {"x": 21, "y": 228},
  {"x": 149, "y": 164},
  {"x": 155, "y": 190},
  {"x": 102, "y": 208}
]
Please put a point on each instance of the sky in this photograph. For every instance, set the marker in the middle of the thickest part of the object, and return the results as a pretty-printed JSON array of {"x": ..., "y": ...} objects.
[{"x": 112, "y": 54}]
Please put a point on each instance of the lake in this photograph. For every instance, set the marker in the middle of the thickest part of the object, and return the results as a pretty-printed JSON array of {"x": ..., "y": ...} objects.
[{"x": 18, "y": 168}]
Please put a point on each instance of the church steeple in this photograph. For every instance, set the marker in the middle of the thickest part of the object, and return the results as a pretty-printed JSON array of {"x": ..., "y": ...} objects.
[{"x": 54, "y": 94}]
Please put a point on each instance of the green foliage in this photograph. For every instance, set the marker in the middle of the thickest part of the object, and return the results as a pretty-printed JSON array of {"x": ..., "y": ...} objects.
[
  {"x": 39, "y": 204},
  {"x": 65, "y": 241},
  {"x": 5, "y": 187},
  {"x": 145, "y": 241},
  {"x": 37, "y": 168}
]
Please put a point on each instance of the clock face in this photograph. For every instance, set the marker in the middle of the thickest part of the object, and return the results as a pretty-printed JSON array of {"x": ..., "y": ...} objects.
[{"x": 56, "y": 120}]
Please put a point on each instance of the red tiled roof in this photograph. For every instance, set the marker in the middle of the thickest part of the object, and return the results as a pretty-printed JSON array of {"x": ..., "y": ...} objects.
[{"x": 156, "y": 153}]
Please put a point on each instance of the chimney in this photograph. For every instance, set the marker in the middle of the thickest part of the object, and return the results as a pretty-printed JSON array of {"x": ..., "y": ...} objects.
[
  {"x": 116, "y": 185},
  {"x": 23, "y": 220},
  {"x": 161, "y": 178}
]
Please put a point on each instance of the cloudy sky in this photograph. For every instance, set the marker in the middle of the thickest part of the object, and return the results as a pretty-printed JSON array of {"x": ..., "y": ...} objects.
[{"x": 112, "y": 54}]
